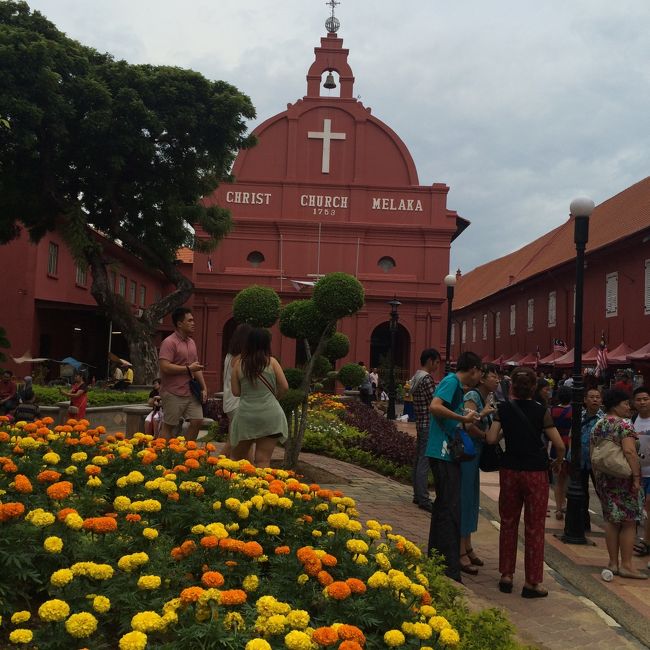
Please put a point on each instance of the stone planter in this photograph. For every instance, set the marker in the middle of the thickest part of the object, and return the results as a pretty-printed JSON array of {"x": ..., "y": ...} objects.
[{"x": 113, "y": 418}]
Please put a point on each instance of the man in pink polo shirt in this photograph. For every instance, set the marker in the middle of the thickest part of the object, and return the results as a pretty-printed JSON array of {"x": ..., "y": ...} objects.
[{"x": 178, "y": 363}]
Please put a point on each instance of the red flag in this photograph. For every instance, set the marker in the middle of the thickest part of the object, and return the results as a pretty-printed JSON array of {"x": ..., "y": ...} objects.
[{"x": 601, "y": 357}]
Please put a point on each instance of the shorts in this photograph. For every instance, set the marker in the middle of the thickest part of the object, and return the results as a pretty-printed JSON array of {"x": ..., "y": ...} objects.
[
  {"x": 176, "y": 407},
  {"x": 645, "y": 485}
]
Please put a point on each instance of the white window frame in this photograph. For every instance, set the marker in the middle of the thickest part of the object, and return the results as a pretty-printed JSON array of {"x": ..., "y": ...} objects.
[
  {"x": 552, "y": 308},
  {"x": 143, "y": 295},
  {"x": 530, "y": 323},
  {"x": 463, "y": 332},
  {"x": 474, "y": 329},
  {"x": 81, "y": 275},
  {"x": 121, "y": 286},
  {"x": 513, "y": 319},
  {"x": 133, "y": 291},
  {"x": 485, "y": 326},
  {"x": 497, "y": 325},
  {"x": 53, "y": 260},
  {"x": 611, "y": 295}
]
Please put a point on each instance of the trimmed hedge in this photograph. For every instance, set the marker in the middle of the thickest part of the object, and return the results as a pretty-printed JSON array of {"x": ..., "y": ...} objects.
[{"x": 49, "y": 396}]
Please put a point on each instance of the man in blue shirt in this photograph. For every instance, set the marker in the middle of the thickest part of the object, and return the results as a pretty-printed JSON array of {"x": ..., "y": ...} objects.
[
  {"x": 447, "y": 411},
  {"x": 591, "y": 413}
]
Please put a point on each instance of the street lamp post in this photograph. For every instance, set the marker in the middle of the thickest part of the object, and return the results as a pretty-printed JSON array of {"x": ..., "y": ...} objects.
[
  {"x": 450, "y": 283},
  {"x": 574, "y": 524},
  {"x": 394, "y": 318}
]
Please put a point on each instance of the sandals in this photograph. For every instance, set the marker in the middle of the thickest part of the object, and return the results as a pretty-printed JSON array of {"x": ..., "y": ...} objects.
[
  {"x": 505, "y": 585},
  {"x": 636, "y": 575},
  {"x": 470, "y": 569},
  {"x": 641, "y": 548},
  {"x": 473, "y": 558}
]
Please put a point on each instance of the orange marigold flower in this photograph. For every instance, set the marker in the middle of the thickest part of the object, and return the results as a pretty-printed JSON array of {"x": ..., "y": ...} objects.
[
  {"x": 425, "y": 598},
  {"x": 101, "y": 525},
  {"x": 47, "y": 420},
  {"x": 48, "y": 476},
  {"x": 87, "y": 440},
  {"x": 314, "y": 487},
  {"x": 211, "y": 460},
  {"x": 350, "y": 645},
  {"x": 282, "y": 550},
  {"x": 230, "y": 563},
  {"x": 173, "y": 496},
  {"x": 195, "y": 453},
  {"x": 308, "y": 518},
  {"x": 133, "y": 516},
  {"x": 176, "y": 553},
  {"x": 188, "y": 546},
  {"x": 351, "y": 633},
  {"x": 64, "y": 512},
  {"x": 209, "y": 541},
  {"x": 338, "y": 590},
  {"x": 356, "y": 586},
  {"x": 247, "y": 468},
  {"x": 324, "y": 578},
  {"x": 93, "y": 470},
  {"x": 10, "y": 468},
  {"x": 252, "y": 549},
  {"x": 190, "y": 444},
  {"x": 324, "y": 494},
  {"x": 325, "y": 636},
  {"x": 59, "y": 491},
  {"x": 233, "y": 597},
  {"x": 212, "y": 579},
  {"x": 148, "y": 458},
  {"x": 223, "y": 473},
  {"x": 192, "y": 463},
  {"x": 180, "y": 468},
  {"x": 329, "y": 560},
  {"x": 191, "y": 594},
  {"x": 313, "y": 566},
  {"x": 4, "y": 436},
  {"x": 276, "y": 487},
  {"x": 11, "y": 510},
  {"x": 22, "y": 484}
]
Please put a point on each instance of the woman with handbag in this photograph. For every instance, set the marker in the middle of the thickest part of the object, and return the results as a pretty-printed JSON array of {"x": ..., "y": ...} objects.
[
  {"x": 620, "y": 496},
  {"x": 523, "y": 480},
  {"x": 258, "y": 380},
  {"x": 480, "y": 400}
]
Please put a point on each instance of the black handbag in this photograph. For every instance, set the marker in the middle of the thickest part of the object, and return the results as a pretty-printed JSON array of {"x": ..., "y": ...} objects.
[
  {"x": 490, "y": 460},
  {"x": 195, "y": 387}
]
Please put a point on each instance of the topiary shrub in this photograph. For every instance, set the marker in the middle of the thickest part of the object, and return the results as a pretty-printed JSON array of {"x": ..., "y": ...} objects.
[
  {"x": 337, "y": 346},
  {"x": 351, "y": 374},
  {"x": 294, "y": 377},
  {"x": 322, "y": 366},
  {"x": 291, "y": 400},
  {"x": 337, "y": 295},
  {"x": 257, "y": 306},
  {"x": 301, "y": 319}
]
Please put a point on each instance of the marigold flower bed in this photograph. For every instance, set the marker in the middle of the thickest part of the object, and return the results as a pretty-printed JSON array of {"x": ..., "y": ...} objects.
[{"x": 113, "y": 543}]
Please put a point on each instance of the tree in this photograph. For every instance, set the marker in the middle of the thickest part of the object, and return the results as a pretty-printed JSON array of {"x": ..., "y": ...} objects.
[{"x": 97, "y": 145}]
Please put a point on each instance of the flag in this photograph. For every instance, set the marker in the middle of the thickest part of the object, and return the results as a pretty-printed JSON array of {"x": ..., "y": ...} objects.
[
  {"x": 601, "y": 356},
  {"x": 210, "y": 264},
  {"x": 559, "y": 346},
  {"x": 538, "y": 356}
]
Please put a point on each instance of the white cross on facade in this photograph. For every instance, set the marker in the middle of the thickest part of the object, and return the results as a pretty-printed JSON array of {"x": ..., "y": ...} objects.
[{"x": 326, "y": 136}]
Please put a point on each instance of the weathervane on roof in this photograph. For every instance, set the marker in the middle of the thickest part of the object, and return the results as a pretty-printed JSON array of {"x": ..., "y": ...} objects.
[{"x": 332, "y": 24}]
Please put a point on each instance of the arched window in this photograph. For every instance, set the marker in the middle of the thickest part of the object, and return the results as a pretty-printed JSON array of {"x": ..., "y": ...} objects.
[
  {"x": 386, "y": 264},
  {"x": 255, "y": 258}
]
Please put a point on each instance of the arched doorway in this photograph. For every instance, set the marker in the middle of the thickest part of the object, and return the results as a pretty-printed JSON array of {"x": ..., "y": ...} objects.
[{"x": 380, "y": 346}]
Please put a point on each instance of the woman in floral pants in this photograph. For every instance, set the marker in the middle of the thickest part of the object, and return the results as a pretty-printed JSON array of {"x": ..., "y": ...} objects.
[{"x": 524, "y": 480}]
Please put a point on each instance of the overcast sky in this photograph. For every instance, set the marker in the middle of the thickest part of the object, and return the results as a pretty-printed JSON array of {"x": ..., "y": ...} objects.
[{"x": 518, "y": 105}]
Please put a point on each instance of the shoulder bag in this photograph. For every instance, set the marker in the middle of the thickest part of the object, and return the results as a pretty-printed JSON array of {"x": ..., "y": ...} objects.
[
  {"x": 267, "y": 383},
  {"x": 607, "y": 457},
  {"x": 460, "y": 445},
  {"x": 195, "y": 387}
]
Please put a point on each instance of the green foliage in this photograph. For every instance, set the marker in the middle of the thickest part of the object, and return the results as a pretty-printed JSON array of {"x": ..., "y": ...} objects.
[
  {"x": 49, "y": 396},
  {"x": 301, "y": 319},
  {"x": 322, "y": 367},
  {"x": 258, "y": 306},
  {"x": 294, "y": 377},
  {"x": 351, "y": 374},
  {"x": 291, "y": 400},
  {"x": 338, "y": 295},
  {"x": 337, "y": 346}
]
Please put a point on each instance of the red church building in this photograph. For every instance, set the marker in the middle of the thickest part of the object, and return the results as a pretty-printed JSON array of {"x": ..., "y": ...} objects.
[{"x": 329, "y": 187}]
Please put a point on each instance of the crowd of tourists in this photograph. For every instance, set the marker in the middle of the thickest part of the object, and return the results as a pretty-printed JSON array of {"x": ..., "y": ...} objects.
[{"x": 476, "y": 419}]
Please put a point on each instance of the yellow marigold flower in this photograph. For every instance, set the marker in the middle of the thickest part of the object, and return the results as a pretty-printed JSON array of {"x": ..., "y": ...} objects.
[
  {"x": 398, "y": 580},
  {"x": 133, "y": 641},
  {"x": 150, "y": 533},
  {"x": 416, "y": 589},
  {"x": 322, "y": 507},
  {"x": 422, "y": 631},
  {"x": 81, "y": 625},
  {"x": 99, "y": 460},
  {"x": 297, "y": 640},
  {"x": 40, "y": 518},
  {"x": 354, "y": 526},
  {"x": 101, "y": 604},
  {"x": 438, "y": 623},
  {"x": 378, "y": 579},
  {"x": 217, "y": 529},
  {"x": 232, "y": 527},
  {"x": 198, "y": 529},
  {"x": 271, "y": 499},
  {"x": 338, "y": 520},
  {"x": 234, "y": 621},
  {"x": 272, "y": 530},
  {"x": 79, "y": 457},
  {"x": 286, "y": 503},
  {"x": 356, "y": 546},
  {"x": 316, "y": 533},
  {"x": 361, "y": 559},
  {"x": 167, "y": 487},
  {"x": 407, "y": 628},
  {"x": 190, "y": 486},
  {"x": 53, "y": 544},
  {"x": 121, "y": 503},
  {"x": 61, "y": 577},
  {"x": 70, "y": 470},
  {"x": 250, "y": 583},
  {"x": 94, "y": 481},
  {"x": 24, "y": 636},
  {"x": 251, "y": 532},
  {"x": 135, "y": 477},
  {"x": 422, "y": 579},
  {"x": 298, "y": 619},
  {"x": 131, "y": 562},
  {"x": 303, "y": 578},
  {"x": 243, "y": 512},
  {"x": 147, "y": 622},
  {"x": 149, "y": 582},
  {"x": 258, "y": 644},
  {"x": 373, "y": 534},
  {"x": 233, "y": 504},
  {"x": 20, "y": 617},
  {"x": 394, "y": 638},
  {"x": 427, "y": 610},
  {"x": 276, "y": 624},
  {"x": 121, "y": 482},
  {"x": 216, "y": 505},
  {"x": 74, "y": 521},
  {"x": 449, "y": 636},
  {"x": 51, "y": 458}
]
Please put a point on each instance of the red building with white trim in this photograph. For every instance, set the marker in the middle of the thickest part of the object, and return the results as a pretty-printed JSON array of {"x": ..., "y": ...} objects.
[
  {"x": 329, "y": 187},
  {"x": 520, "y": 303}
]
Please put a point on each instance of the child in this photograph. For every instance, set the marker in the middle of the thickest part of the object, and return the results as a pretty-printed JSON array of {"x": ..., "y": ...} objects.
[{"x": 28, "y": 411}]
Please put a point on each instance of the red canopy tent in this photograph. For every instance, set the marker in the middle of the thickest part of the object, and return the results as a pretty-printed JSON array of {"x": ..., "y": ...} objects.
[
  {"x": 642, "y": 354},
  {"x": 618, "y": 356},
  {"x": 564, "y": 361},
  {"x": 514, "y": 359},
  {"x": 498, "y": 361},
  {"x": 529, "y": 360},
  {"x": 550, "y": 359},
  {"x": 589, "y": 357},
  {"x": 486, "y": 358}
]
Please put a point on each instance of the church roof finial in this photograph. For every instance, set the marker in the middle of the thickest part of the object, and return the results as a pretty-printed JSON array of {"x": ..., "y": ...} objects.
[{"x": 332, "y": 24}]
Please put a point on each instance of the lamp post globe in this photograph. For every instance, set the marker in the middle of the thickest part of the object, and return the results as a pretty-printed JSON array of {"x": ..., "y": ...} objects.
[
  {"x": 450, "y": 283},
  {"x": 575, "y": 522}
]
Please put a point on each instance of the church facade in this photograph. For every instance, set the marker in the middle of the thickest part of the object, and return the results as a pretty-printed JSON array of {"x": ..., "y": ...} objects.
[{"x": 329, "y": 187}]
